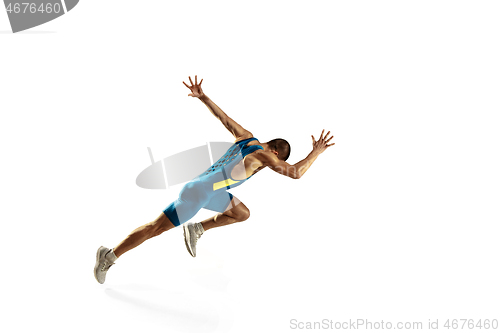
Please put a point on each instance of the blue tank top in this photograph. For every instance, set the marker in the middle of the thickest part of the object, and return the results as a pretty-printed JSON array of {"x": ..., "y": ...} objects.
[{"x": 220, "y": 172}]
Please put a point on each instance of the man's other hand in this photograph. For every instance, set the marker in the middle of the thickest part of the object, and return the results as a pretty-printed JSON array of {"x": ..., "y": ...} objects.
[
  {"x": 195, "y": 88},
  {"x": 321, "y": 145}
]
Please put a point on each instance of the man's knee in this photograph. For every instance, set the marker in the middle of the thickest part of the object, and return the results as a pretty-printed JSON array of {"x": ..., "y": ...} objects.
[{"x": 242, "y": 214}]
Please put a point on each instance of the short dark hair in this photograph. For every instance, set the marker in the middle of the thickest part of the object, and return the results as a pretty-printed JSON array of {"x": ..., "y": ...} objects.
[{"x": 281, "y": 146}]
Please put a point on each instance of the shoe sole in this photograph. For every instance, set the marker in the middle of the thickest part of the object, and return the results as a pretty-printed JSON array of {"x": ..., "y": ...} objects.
[
  {"x": 185, "y": 227},
  {"x": 96, "y": 267}
]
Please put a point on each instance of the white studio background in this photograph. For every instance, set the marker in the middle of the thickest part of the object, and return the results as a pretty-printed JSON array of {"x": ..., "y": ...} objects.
[{"x": 397, "y": 222}]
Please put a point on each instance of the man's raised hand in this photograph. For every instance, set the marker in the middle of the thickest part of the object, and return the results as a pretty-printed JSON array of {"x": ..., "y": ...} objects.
[
  {"x": 321, "y": 145},
  {"x": 195, "y": 88}
]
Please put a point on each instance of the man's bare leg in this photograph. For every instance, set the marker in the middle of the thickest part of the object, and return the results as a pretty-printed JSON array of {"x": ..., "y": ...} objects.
[
  {"x": 106, "y": 258},
  {"x": 143, "y": 233},
  {"x": 235, "y": 212}
]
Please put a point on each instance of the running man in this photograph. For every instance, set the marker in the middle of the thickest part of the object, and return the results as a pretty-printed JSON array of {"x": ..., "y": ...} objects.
[{"x": 244, "y": 158}]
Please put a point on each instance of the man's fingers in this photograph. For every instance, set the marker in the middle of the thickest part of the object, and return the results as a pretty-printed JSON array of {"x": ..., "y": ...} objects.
[
  {"x": 329, "y": 139},
  {"x": 186, "y": 85},
  {"x": 200, "y": 82},
  {"x": 191, "y": 81},
  {"x": 321, "y": 137},
  {"x": 312, "y": 136},
  {"x": 330, "y": 144},
  {"x": 196, "y": 79}
]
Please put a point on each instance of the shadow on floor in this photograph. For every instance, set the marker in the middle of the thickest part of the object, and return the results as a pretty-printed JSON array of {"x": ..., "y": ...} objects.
[{"x": 175, "y": 310}]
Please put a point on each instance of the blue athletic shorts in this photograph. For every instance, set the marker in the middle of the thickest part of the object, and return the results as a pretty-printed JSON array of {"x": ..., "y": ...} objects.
[{"x": 195, "y": 195}]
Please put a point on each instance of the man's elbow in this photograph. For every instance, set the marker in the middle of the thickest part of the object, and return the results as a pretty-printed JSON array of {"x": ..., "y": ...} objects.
[{"x": 294, "y": 172}]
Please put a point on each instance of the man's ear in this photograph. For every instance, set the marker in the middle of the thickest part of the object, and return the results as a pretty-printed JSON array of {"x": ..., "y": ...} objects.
[{"x": 274, "y": 152}]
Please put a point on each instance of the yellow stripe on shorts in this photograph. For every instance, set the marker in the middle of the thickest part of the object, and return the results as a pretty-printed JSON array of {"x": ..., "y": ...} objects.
[{"x": 224, "y": 183}]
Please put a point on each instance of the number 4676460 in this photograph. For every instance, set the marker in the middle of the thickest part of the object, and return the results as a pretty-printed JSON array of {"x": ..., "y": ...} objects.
[{"x": 27, "y": 8}]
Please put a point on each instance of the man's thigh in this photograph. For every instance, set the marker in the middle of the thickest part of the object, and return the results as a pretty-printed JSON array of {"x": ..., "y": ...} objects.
[
  {"x": 226, "y": 203},
  {"x": 237, "y": 209},
  {"x": 233, "y": 203}
]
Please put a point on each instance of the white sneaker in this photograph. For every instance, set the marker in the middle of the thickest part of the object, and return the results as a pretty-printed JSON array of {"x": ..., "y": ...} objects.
[
  {"x": 105, "y": 258},
  {"x": 192, "y": 232}
]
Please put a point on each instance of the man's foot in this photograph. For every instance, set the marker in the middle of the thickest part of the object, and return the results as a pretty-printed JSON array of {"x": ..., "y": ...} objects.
[
  {"x": 105, "y": 258},
  {"x": 192, "y": 232}
]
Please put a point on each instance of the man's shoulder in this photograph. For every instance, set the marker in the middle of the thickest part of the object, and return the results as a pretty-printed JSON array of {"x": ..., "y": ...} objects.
[
  {"x": 245, "y": 136},
  {"x": 266, "y": 157}
]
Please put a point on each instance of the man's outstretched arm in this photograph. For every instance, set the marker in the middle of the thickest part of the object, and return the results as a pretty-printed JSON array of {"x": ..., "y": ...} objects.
[
  {"x": 232, "y": 126},
  {"x": 298, "y": 169}
]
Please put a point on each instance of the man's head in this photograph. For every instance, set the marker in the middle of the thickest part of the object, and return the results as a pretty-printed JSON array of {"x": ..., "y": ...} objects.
[{"x": 281, "y": 146}]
